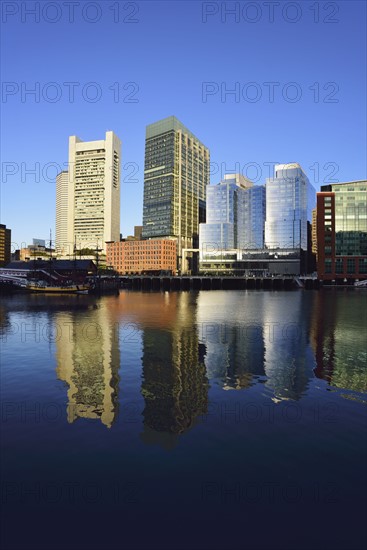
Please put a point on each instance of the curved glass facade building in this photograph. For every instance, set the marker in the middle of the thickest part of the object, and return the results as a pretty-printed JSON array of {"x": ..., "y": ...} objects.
[
  {"x": 290, "y": 198},
  {"x": 235, "y": 215},
  {"x": 219, "y": 231},
  {"x": 251, "y": 218}
]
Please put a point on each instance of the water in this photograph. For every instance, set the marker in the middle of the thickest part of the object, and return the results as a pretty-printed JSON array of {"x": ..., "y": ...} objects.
[{"x": 208, "y": 420}]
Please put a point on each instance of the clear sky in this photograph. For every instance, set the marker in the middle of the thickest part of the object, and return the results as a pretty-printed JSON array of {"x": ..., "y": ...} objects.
[{"x": 297, "y": 71}]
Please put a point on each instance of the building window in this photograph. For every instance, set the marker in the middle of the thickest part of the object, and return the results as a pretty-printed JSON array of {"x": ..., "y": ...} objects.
[
  {"x": 339, "y": 267},
  {"x": 363, "y": 265},
  {"x": 351, "y": 265},
  {"x": 327, "y": 265}
]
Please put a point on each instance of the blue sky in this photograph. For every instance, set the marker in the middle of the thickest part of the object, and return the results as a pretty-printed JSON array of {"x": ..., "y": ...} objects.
[{"x": 179, "y": 58}]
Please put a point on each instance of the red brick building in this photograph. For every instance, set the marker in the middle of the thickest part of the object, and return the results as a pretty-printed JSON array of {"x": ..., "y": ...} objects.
[
  {"x": 147, "y": 256},
  {"x": 325, "y": 220},
  {"x": 342, "y": 231},
  {"x": 5, "y": 245}
]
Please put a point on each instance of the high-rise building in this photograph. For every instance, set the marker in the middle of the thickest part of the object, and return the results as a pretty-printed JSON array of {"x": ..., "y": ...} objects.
[
  {"x": 138, "y": 229},
  {"x": 314, "y": 231},
  {"x": 290, "y": 198},
  {"x": 93, "y": 192},
  {"x": 342, "y": 231},
  {"x": 234, "y": 226},
  {"x": 61, "y": 237},
  {"x": 176, "y": 174},
  {"x": 5, "y": 245},
  {"x": 257, "y": 229},
  {"x": 251, "y": 218},
  {"x": 224, "y": 208}
]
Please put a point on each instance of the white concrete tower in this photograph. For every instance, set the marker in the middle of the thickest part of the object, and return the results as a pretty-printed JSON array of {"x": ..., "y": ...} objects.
[
  {"x": 94, "y": 192},
  {"x": 61, "y": 238}
]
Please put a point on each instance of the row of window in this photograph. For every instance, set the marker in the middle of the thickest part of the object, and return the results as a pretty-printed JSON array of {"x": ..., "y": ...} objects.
[
  {"x": 143, "y": 249},
  {"x": 351, "y": 266}
]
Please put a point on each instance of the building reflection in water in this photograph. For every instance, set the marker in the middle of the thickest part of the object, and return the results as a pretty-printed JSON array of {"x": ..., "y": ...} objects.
[
  {"x": 338, "y": 338},
  {"x": 289, "y": 359},
  {"x": 88, "y": 360},
  {"x": 174, "y": 382},
  {"x": 175, "y": 386},
  {"x": 234, "y": 340},
  {"x": 279, "y": 339},
  {"x": 261, "y": 337},
  {"x": 4, "y": 321}
]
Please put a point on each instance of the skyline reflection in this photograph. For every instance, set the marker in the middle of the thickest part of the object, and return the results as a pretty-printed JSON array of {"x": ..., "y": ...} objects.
[
  {"x": 288, "y": 356},
  {"x": 88, "y": 360},
  {"x": 255, "y": 345},
  {"x": 225, "y": 401},
  {"x": 190, "y": 344},
  {"x": 174, "y": 381},
  {"x": 338, "y": 342}
]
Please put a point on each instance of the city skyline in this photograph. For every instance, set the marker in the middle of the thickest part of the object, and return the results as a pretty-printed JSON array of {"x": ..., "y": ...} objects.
[
  {"x": 62, "y": 178},
  {"x": 243, "y": 134},
  {"x": 183, "y": 274}
]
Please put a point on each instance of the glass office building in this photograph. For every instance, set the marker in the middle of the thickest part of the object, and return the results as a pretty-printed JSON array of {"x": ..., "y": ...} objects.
[
  {"x": 251, "y": 218},
  {"x": 350, "y": 218},
  {"x": 225, "y": 209},
  {"x": 176, "y": 174},
  {"x": 290, "y": 198},
  {"x": 342, "y": 231},
  {"x": 219, "y": 230}
]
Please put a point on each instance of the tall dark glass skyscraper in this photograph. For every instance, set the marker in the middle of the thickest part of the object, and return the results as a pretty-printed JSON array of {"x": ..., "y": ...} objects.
[{"x": 176, "y": 174}]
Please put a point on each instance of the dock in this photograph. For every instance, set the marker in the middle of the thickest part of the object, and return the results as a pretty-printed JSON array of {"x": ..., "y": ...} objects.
[{"x": 166, "y": 283}]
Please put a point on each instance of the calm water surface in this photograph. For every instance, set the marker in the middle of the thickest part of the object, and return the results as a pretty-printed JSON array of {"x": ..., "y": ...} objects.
[{"x": 208, "y": 420}]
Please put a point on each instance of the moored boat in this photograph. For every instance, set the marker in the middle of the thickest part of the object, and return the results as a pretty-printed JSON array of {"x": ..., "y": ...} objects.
[{"x": 44, "y": 288}]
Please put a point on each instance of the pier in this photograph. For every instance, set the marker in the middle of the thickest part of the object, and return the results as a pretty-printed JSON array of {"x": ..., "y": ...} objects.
[{"x": 165, "y": 283}]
